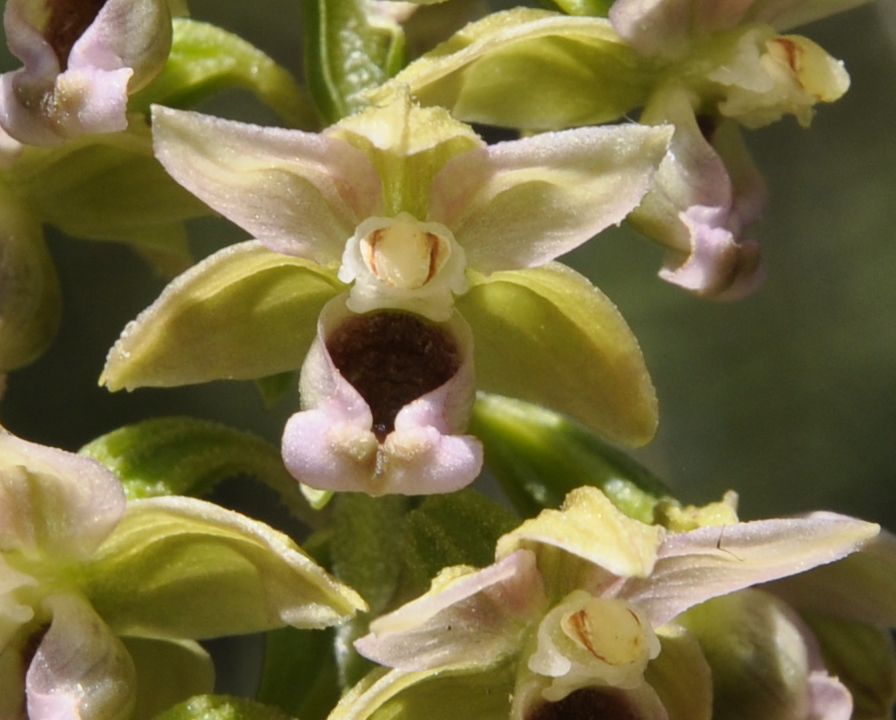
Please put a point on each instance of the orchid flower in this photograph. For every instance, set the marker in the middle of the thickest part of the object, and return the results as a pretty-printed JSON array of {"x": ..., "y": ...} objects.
[
  {"x": 82, "y": 62},
  {"x": 738, "y": 68},
  {"x": 581, "y": 610},
  {"x": 704, "y": 67},
  {"x": 423, "y": 252},
  {"x": 101, "y": 600}
]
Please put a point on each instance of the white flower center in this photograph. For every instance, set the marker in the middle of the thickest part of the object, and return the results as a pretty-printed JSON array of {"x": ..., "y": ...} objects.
[
  {"x": 404, "y": 255},
  {"x": 770, "y": 75},
  {"x": 609, "y": 630},
  {"x": 405, "y": 264},
  {"x": 587, "y": 639}
]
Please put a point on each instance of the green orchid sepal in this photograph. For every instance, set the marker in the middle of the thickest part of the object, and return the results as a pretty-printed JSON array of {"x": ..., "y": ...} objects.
[
  {"x": 110, "y": 187},
  {"x": 181, "y": 556},
  {"x": 243, "y": 313},
  {"x": 520, "y": 318},
  {"x": 527, "y": 68}
]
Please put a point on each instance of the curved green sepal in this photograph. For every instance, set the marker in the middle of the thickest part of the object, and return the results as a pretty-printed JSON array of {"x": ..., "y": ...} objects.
[
  {"x": 222, "y": 707},
  {"x": 243, "y": 313},
  {"x": 188, "y": 456},
  {"x": 458, "y": 529},
  {"x": 539, "y": 456},
  {"x": 365, "y": 551},
  {"x": 30, "y": 297},
  {"x": 862, "y": 657},
  {"x": 206, "y": 59},
  {"x": 483, "y": 696},
  {"x": 434, "y": 695},
  {"x": 111, "y": 187},
  {"x": 530, "y": 69},
  {"x": 347, "y": 53},
  {"x": 168, "y": 672},
  {"x": 178, "y": 567},
  {"x": 547, "y": 335},
  {"x": 300, "y": 675}
]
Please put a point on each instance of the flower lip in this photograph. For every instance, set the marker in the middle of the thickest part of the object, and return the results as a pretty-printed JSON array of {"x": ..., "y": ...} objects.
[
  {"x": 67, "y": 22},
  {"x": 341, "y": 441},
  {"x": 587, "y": 702},
  {"x": 392, "y": 358}
]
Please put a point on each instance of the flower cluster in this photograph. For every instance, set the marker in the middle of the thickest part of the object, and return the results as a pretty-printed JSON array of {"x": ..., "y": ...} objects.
[{"x": 401, "y": 266}]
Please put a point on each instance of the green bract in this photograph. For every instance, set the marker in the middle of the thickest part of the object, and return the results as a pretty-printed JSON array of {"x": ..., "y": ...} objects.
[
  {"x": 539, "y": 456},
  {"x": 205, "y": 59},
  {"x": 348, "y": 49},
  {"x": 188, "y": 456}
]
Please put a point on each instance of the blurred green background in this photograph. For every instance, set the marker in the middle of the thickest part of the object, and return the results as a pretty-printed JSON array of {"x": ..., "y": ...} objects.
[{"x": 788, "y": 396}]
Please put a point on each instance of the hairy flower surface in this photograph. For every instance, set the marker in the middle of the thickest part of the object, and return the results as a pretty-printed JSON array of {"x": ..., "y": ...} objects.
[
  {"x": 704, "y": 67},
  {"x": 429, "y": 232},
  {"x": 101, "y": 600},
  {"x": 581, "y": 609},
  {"x": 83, "y": 59}
]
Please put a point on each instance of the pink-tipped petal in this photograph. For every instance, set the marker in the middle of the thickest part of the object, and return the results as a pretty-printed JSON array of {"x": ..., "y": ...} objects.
[
  {"x": 134, "y": 34},
  {"x": 423, "y": 461},
  {"x": 81, "y": 670},
  {"x": 332, "y": 446},
  {"x": 299, "y": 193},
  {"x": 860, "y": 587},
  {"x": 667, "y": 27},
  {"x": 719, "y": 265},
  {"x": 695, "y": 566},
  {"x": 522, "y": 203},
  {"x": 466, "y": 619},
  {"x": 54, "y": 502}
]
